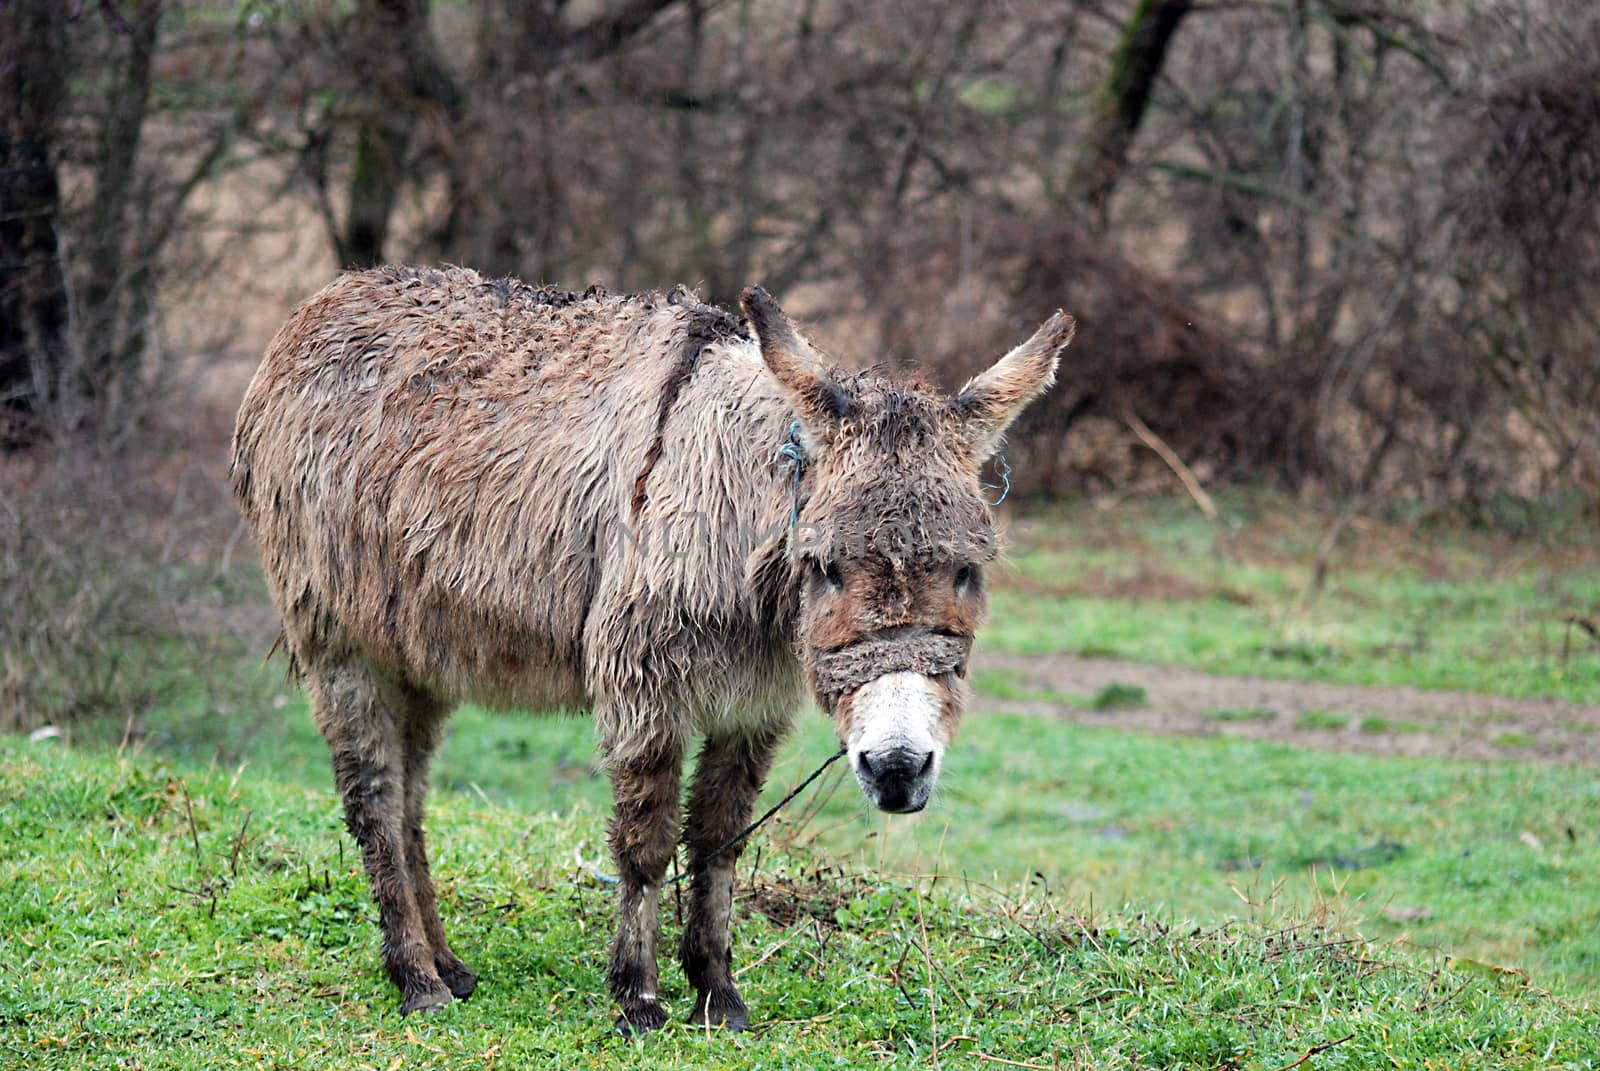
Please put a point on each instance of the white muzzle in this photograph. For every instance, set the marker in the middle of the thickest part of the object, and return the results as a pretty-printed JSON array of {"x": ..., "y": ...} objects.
[{"x": 894, "y": 743}]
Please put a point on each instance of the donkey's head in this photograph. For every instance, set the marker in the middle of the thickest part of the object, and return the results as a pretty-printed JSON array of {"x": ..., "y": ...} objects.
[{"x": 891, "y": 543}]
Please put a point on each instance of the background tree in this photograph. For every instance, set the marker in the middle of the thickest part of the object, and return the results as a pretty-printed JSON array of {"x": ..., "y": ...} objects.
[
  {"x": 33, "y": 297},
  {"x": 103, "y": 155},
  {"x": 1332, "y": 245}
]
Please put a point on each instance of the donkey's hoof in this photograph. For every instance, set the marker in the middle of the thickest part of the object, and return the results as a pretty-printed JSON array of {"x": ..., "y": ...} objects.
[
  {"x": 720, "y": 1011},
  {"x": 642, "y": 1017},
  {"x": 425, "y": 1000},
  {"x": 458, "y": 979}
]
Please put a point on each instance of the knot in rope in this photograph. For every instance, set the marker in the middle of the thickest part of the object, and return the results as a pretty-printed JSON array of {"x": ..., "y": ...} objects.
[{"x": 793, "y": 450}]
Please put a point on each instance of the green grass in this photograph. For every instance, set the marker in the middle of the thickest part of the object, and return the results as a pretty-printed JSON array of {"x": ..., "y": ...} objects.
[
  {"x": 135, "y": 937},
  {"x": 1118, "y": 696},
  {"x": 1004, "y": 685},
  {"x": 1320, "y": 719},
  {"x": 1434, "y": 607},
  {"x": 1177, "y": 827},
  {"x": 1087, "y": 895},
  {"x": 1377, "y": 726}
]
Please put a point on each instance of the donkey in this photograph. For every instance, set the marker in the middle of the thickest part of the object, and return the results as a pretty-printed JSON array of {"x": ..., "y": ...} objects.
[{"x": 470, "y": 490}]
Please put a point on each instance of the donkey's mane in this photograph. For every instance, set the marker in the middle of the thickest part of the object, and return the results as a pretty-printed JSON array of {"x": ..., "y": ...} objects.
[
  {"x": 892, "y": 412},
  {"x": 703, "y": 325}
]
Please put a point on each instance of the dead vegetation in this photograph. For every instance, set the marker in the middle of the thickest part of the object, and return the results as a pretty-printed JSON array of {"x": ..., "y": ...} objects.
[
  {"x": 1346, "y": 248},
  {"x": 114, "y": 575}
]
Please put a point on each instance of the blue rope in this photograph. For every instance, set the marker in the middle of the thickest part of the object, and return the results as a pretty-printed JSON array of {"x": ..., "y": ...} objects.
[
  {"x": 793, "y": 451},
  {"x": 1003, "y": 470}
]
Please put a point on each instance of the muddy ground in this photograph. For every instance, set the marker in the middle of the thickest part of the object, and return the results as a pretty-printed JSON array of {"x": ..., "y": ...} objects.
[{"x": 1342, "y": 717}]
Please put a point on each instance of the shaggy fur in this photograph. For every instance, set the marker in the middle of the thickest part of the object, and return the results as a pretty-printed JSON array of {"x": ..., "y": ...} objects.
[{"x": 480, "y": 490}]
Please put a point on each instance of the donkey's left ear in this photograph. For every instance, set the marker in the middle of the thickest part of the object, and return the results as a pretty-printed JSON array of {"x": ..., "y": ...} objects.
[
  {"x": 991, "y": 401},
  {"x": 798, "y": 367}
]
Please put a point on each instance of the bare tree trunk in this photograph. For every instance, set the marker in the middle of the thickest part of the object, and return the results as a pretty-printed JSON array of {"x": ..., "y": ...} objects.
[
  {"x": 1123, "y": 101},
  {"x": 409, "y": 80},
  {"x": 522, "y": 41},
  {"x": 115, "y": 307},
  {"x": 33, "y": 290},
  {"x": 703, "y": 258},
  {"x": 1055, "y": 128},
  {"x": 375, "y": 179}
]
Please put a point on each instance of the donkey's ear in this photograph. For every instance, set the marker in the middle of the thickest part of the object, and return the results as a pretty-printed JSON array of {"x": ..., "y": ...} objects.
[
  {"x": 798, "y": 367},
  {"x": 991, "y": 401}
]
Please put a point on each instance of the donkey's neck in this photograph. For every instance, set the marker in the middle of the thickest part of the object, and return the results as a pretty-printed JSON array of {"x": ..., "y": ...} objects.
[{"x": 736, "y": 412}]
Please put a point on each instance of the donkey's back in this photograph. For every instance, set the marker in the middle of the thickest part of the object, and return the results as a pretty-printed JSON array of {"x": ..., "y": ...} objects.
[{"x": 435, "y": 466}]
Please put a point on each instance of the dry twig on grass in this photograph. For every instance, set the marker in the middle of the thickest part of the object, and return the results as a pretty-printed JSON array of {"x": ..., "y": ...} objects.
[{"x": 1191, "y": 482}]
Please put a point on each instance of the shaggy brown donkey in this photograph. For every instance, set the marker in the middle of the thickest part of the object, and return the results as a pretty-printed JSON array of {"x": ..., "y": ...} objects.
[{"x": 479, "y": 490}]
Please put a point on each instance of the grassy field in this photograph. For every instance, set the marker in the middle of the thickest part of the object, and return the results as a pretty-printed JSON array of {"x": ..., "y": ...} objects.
[
  {"x": 161, "y": 917},
  {"x": 1077, "y": 896},
  {"x": 1497, "y": 862},
  {"x": 1405, "y": 603}
]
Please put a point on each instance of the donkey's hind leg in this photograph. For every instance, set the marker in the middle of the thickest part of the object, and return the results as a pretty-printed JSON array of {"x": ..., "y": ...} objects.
[
  {"x": 423, "y": 732},
  {"x": 362, "y": 713}
]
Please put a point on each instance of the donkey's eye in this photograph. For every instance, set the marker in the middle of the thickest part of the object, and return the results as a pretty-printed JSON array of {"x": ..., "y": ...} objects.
[{"x": 828, "y": 573}]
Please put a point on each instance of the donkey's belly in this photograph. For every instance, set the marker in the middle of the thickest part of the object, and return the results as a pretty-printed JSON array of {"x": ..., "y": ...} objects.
[
  {"x": 537, "y": 691},
  {"x": 496, "y": 657}
]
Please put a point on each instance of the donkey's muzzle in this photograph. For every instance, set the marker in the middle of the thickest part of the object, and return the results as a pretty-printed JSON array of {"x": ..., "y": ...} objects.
[
  {"x": 897, "y": 780},
  {"x": 892, "y": 733}
]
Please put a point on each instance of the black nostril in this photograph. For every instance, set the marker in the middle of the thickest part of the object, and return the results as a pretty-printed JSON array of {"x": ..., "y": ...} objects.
[
  {"x": 866, "y": 765},
  {"x": 927, "y": 765}
]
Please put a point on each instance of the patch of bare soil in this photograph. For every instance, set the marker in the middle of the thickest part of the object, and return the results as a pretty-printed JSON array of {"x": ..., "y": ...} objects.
[
  {"x": 1146, "y": 584},
  {"x": 1340, "y": 717}
]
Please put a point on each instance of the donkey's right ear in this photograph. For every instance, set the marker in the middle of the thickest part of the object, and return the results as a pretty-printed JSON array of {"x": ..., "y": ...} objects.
[
  {"x": 991, "y": 401},
  {"x": 819, "y": 402}
]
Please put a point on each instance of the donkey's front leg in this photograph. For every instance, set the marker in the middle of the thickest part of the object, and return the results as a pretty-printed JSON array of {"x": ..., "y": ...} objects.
[
  {"x": 644, "y": 835},
  {"x": 727, "y": 779}
]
